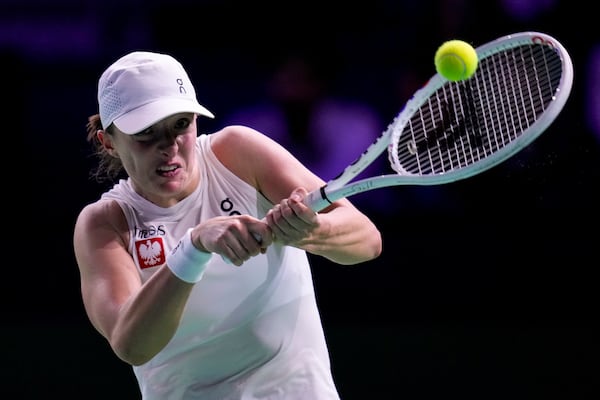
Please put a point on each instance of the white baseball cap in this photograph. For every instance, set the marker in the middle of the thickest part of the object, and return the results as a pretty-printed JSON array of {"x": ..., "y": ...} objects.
[{"x": 142, "y": 88}]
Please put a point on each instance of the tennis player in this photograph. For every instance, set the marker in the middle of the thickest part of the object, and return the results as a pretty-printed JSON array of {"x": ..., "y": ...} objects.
[{"x": 194, "y": 263}]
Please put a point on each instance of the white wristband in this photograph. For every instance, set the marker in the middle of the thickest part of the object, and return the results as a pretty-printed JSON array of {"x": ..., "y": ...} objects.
[{"x": 186, "y": 261}]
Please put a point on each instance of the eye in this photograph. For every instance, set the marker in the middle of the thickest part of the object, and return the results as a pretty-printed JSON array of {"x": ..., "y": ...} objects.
[
  {"x": 182, "y": 123},
  {"x": 147, "y": 135}
]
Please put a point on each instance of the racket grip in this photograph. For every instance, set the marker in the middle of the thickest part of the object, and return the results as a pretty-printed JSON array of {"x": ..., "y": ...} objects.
[{"x": 317, "y": 199}]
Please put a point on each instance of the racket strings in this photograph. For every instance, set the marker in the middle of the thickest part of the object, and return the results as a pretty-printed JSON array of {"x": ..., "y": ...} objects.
[{"x": 463, "y": 123}]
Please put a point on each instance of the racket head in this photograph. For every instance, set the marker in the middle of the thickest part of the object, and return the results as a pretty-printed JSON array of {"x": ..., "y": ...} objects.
[{"x": 452, "y": 130}]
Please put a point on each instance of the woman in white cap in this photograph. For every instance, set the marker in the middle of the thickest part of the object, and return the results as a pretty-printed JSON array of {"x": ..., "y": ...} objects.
[{"x": 194, "y": 265}]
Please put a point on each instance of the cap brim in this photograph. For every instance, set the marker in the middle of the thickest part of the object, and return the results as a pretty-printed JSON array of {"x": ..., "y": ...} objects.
[{"x": 147, "y": 115}]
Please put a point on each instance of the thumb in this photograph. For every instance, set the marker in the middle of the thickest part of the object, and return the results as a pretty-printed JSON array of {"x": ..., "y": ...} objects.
[{"x": 298, "y": 194}]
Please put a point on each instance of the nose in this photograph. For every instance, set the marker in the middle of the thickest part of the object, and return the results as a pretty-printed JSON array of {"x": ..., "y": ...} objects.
[{"x": 168, "y": 145}]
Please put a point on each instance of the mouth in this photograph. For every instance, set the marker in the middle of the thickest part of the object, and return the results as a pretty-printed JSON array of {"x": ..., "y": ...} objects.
[{"x": 167, "y": 170}]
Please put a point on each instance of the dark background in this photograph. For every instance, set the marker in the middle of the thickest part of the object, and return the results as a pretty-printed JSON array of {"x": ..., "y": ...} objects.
[{"x": 486, "y": 288}]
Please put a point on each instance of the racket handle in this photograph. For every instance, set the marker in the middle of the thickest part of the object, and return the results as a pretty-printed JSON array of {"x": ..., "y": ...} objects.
[{"x": 317, "y": 199}]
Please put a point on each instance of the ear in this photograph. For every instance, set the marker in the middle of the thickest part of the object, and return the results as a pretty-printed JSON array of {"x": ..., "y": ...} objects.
[{"x": 107, "y": 143}]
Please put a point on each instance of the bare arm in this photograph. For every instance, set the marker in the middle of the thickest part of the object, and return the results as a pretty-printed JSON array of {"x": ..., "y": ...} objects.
[
  {"x": 340, "y": 233},
  {"x": 116, "y": 302},
  {"x": 123, "y": 309}
]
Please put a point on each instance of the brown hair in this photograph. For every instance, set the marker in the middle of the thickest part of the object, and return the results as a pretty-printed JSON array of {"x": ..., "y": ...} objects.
[{"x": 109, "y": 167}]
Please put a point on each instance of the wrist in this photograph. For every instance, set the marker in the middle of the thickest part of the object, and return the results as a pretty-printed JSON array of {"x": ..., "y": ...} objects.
[{"x": 187, "y": 262}]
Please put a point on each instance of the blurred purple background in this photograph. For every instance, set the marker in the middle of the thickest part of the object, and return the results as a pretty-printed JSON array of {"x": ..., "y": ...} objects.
[{"x": 485, "y": 288}]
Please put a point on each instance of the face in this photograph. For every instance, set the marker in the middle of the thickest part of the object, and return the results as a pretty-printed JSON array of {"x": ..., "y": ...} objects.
[{"x": 161, "y": 160}]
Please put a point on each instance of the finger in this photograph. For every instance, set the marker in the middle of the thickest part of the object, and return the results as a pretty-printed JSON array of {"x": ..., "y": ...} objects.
[
  {"x": 230, "y": 257},
  {"x": 304, "y": 213},
  {"x": 274, "y": 219},
  {"x": 287, "y": 230},
  {"x": 264, "y": 238},
  {"x": 238, "y": 248},
  {"x": 298, "y": 217}
]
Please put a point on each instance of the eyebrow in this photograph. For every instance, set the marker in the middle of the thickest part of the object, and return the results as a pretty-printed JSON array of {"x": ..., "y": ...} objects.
[{"x": 146, "y": 132}]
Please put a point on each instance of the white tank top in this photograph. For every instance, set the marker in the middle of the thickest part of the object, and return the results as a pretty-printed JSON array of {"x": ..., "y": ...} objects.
[{"x": 249, "y": 332}]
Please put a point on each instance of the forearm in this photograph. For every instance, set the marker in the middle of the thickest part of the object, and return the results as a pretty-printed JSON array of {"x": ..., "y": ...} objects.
[
  {"x": 149, "y": 320},
  {"x": 344, "y": 236}
]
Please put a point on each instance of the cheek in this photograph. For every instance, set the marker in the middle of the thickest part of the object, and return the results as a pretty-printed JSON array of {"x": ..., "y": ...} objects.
[
  {"x": 188, "y": 142},
  {"x": 133, "y": 159},
  {"x": 127, "y": 161}
]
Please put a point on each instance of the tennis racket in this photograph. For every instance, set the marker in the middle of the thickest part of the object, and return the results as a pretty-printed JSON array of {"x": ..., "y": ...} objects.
[{"x": 450, "y": 131}]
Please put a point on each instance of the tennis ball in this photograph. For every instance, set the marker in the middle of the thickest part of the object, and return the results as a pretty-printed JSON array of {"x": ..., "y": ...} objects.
[{"x": 456, "y": 60}]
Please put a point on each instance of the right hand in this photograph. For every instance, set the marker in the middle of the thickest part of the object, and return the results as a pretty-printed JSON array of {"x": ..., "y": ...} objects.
[{"x": 235, "y": 238}]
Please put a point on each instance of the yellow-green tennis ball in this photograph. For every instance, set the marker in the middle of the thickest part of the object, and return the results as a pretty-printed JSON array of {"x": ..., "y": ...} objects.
[{"x": 456, "y": 60}]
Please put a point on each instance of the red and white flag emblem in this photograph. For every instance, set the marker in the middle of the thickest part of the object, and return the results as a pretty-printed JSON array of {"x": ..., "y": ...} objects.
[{"x": 150, "y": 252}]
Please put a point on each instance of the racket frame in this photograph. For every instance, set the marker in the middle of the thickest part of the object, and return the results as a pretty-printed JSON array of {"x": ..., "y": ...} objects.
[{"x": 339, "y": 187}]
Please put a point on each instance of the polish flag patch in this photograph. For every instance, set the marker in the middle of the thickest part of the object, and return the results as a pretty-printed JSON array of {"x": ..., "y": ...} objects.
[{"x": 150, "y": 252}]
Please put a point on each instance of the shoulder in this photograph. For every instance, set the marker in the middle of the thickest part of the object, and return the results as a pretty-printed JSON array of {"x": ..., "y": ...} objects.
[
  {"x": 261, "y": 162},
  {"x": 237, "y": 136},
  {"x": 237, "y": 140},
  {"x": 244, "y": 150},
  {"x": 105, "y": 215},
  {"x": 100, "y": 209}
]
